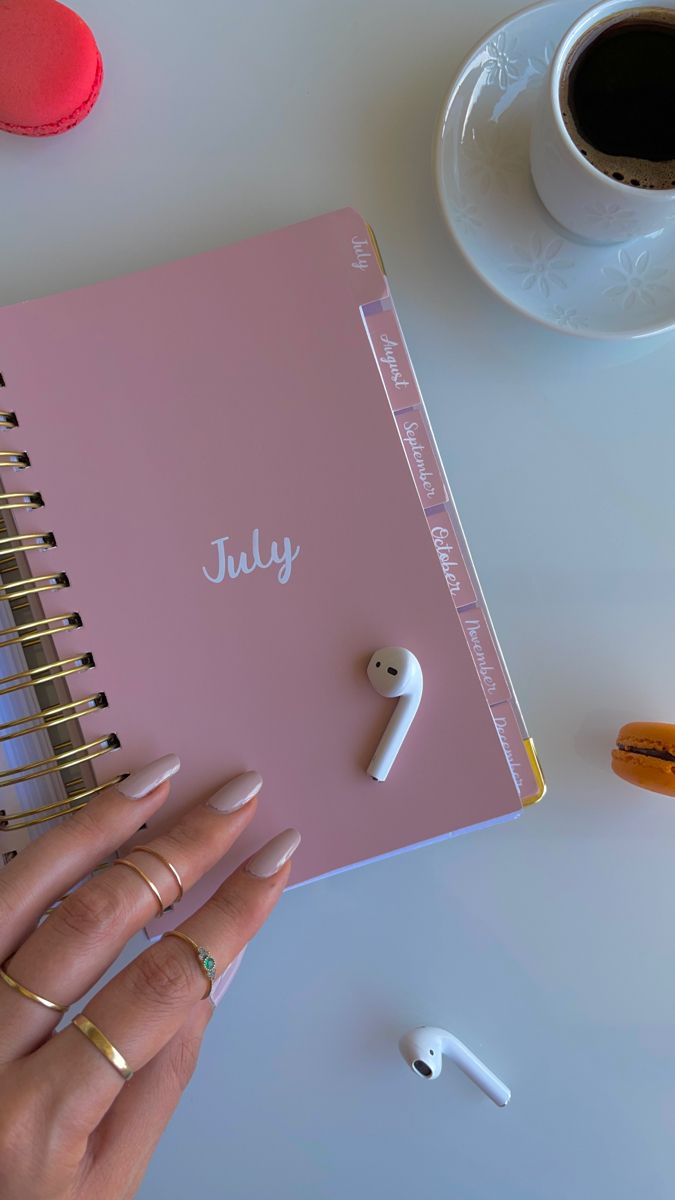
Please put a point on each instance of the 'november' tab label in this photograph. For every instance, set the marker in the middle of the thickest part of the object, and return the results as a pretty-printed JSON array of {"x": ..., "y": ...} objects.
[
  {"x": 514, "y": 749},
  {"x": 418, "y": 447},
  {"x": 392, "y": 359},
  {"x": 485, "y": 655},
  {"x": 446, "y": 545}
]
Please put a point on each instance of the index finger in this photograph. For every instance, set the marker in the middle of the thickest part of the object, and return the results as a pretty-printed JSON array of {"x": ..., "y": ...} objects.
[
  {"x": 52, "y": 864},
  {"x": 141, "y": 1009}
]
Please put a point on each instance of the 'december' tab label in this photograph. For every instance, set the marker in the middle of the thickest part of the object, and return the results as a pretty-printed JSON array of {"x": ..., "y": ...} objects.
[
  {"x": 421, "y": 455},
  {"x": 514, "y": 749},
  {"x": 392, "y": 359}
]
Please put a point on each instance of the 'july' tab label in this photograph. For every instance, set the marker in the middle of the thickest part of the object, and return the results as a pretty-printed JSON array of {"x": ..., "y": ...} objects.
[
  {"x": 485, "y": 655},
  {"x": 422, "y": 458},
  {"x": 514, "y": 749},
  {"x": 362, "y": 252},
  {"x": 392, "y": 359},
  {"x": 446, "y": 545}
]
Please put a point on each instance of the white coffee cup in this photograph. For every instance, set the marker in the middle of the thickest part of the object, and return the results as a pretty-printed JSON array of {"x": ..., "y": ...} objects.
[{"x": 584, "y": 200}]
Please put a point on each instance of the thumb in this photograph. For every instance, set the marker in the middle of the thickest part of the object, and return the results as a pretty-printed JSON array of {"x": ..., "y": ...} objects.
[{"x": 126, "y": 1138}]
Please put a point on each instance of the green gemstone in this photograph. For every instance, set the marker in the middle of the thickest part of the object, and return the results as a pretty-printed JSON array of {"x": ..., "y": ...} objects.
[{"x": 209, "y": 963}]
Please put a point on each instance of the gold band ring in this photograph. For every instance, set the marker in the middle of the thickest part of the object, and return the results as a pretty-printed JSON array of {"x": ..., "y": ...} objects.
[
  {"x": 206, "y": 961},
  {"x": 168, "y": 865},
  {"x": 31, "y": 995},
  {"x": 125, "y": 862},
  {"x": 102, "y": 1044}
]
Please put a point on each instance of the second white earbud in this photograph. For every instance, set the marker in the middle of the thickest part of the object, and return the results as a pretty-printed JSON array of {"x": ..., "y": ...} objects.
[
  {"x": 394, "y": 672},
  {"x": 423, "y": 1050}
]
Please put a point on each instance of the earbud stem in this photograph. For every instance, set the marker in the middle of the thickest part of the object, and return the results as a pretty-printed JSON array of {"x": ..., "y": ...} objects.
[
  {"x": 392, "y": 739},
  {"x": 476, "y": 1070}
]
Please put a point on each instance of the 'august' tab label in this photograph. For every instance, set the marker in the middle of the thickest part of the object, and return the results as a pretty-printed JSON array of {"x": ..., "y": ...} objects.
[
  {"x": 392, "y": 360},
  {"x": 422, "y": 458}
]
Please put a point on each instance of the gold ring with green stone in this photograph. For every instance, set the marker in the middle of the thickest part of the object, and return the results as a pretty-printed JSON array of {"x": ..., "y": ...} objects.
[{"x": 206, "y": 960}]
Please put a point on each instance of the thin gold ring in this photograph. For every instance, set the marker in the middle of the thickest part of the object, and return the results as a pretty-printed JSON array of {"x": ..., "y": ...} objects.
[
  {"x": 31, "y": 995},
  {"x": 169, "y": 866},
  {"x": 124, "y": 862},
  {"x": 102, "y": 1044},
  {"x": 206, "y": 961}
]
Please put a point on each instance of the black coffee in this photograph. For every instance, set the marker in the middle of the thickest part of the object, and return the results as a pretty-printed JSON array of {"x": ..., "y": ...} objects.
[{"x": 618, "y": 98}]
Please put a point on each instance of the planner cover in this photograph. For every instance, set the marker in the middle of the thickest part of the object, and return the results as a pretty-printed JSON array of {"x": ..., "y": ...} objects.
[{"x": 232, "y": 455}]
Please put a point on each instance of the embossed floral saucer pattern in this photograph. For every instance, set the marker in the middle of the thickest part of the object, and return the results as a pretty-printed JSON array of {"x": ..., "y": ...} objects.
[{"x": 492, "y": 208}]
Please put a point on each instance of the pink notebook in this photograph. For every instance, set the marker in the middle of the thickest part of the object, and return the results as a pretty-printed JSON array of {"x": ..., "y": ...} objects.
[{"x": 252, "y": 413}]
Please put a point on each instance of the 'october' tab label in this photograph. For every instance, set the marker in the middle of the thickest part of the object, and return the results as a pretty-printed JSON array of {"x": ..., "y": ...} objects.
[
  {"x": 485, "y": 655},
  {"x": 418, "y": 447},
  {"x": 446, "y": 545},
  {"x": 392, "y": 360},
  {"x": 514, "y": 749}
]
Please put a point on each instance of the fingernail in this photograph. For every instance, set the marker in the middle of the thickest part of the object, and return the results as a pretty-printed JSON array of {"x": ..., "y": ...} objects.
[
  {"x": 236, "y": 793},
  {"x": 272, "y": 857},
  {"x": 141, "y": 783},
  {"x": 223, "y": 982}
]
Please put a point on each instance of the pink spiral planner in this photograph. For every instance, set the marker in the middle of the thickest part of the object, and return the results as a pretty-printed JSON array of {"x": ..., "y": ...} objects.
[{"x": 233, "y": 498}]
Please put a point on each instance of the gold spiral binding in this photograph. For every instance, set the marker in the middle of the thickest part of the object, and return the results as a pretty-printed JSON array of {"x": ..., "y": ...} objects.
[
  {"x": 20, "y": 500},
  {"x": 32, "y": 677},
  {"x": 66, "y": 757},
  {"x": 12, "y": 821},
  {"x": 26, "y": 541},
  {"x": 31, "y": 632},
  {"x": 16, "y": 460},
  {"x": 38, "y": 583},
  {"x": 58, "y": 762},
  {"x": 56, "y": 714}
]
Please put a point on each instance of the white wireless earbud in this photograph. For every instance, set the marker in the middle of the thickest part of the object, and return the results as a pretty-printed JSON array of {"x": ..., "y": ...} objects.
[
  {"x": 394, "y": 672},
  {"x": 423, "y": 1050}
]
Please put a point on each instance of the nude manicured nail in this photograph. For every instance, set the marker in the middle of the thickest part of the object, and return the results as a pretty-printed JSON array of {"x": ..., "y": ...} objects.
[
  {"x": 272, "y": 857},
  {"x": 236, "y": 793},
  {"x": 141, "y": 783},
  {"x": 222, "y": 984}
]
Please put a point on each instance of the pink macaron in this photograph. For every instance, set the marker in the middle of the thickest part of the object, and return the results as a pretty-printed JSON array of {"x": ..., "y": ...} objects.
[{"x": 52, "y": 69}]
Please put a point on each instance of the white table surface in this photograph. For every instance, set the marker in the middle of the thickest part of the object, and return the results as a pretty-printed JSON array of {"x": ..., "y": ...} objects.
[{"x": 547, "y": 943}]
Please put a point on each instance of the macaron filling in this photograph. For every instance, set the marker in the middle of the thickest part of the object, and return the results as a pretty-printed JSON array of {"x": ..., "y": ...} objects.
[{"x": 664, "y": 755}]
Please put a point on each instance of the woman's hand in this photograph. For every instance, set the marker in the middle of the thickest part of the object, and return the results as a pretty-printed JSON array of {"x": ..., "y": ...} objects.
[{"x": 71, "y": 1128}]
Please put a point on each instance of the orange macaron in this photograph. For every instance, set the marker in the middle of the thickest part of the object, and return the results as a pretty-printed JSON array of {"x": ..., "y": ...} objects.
[{"x": 645, "y": 755}]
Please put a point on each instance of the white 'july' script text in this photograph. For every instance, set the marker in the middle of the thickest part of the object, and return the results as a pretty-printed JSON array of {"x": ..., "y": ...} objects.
[{"x": 230, "y": 566}]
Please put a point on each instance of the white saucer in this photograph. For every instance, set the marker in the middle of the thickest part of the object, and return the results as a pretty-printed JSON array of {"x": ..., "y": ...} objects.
[{"x": 493, "y": 211}]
